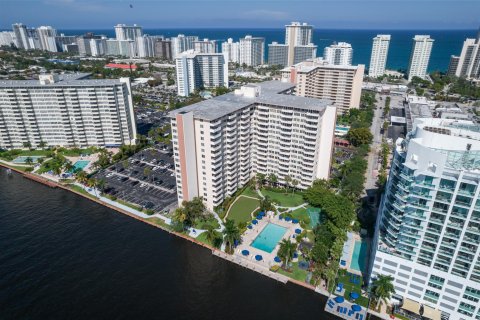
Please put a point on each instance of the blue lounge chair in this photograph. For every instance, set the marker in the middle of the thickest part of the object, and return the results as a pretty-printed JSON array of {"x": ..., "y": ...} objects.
[
  {"x": 338, "y": 309},
  {"x": 360, "y": 317},
  {"x": 356, "y": 316},
  {"x": 350, "y": 313},
  {"x": 344, "y": 310}
]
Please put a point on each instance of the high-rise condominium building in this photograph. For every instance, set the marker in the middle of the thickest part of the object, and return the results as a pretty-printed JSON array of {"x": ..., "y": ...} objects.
[
  {"x": 7, "y": 38},
  {"x": 303, "y": 53},
  {"x": 378, "y": 60},
  {"x": 339, "y": 54},
  {"x": 122, "y": 48},
  {"x": 98, "y": 47},
  {"x": 468, "y": 65},
  {"x": 428, "y": 227},
  {"x": 163, "y": 49},
  {"x": 297, "y": 34},
  {"x": 205, "y": 46},
  {"x": 200, "y": 70},
  {"x": 182, "y": 43},
  {"x": 124, "y": 32},
  {"x": 453, "y": 65},
  {"x": 252, "y": 51},
  {"x": 420, "y": 56},
  {"x": 221, "y": 143},
  {"x": 231, "y": 50},
  {"x": 277, "y": 54},
  {"x": 21, "y": 34},
  {"x": 46, "y": 36},
  {"x": 145, "y": 46},
  {"x": 317, "y": 78},
  {"x": 66, "y": 110}
]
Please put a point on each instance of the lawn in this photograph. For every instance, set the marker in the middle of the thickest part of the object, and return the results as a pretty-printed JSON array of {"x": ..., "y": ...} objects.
[
  {"x": 297, "y": 273},
  {"x": 81, "y": 190},
  {"x": 249, "y": 192},
  {"x": 344, "y": 278},
  {"x": 241, "y": 209},
  {"x": 159, "y": 222},
  {"x": 284, "y": 199},
  {"x": 300, "y": 214},
  {"x": 203, "y": 224}
]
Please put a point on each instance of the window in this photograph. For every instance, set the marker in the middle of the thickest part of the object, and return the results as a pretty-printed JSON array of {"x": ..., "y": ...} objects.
[{"x": 472, "y": 294}]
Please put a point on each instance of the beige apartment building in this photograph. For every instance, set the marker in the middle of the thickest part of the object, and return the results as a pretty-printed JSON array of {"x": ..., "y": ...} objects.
[
  {"x": 317, "y": 78},
  {"x": 221, "y": 143}
]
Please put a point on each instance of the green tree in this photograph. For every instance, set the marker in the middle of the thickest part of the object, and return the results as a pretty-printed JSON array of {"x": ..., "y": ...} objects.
[
  {"x": 382, "y": 289},
  {"x": 272, "y": 178},
  {"x": 231, "y": 235},
  {"x": 359, "y": 136},
  {"x": 189, "y": 212},
  {"x": 29, "y": 161},
  {"x": 266, "y": 204},
  {"x": 81, "y": 176},
  {"x": 288, "y": 181},
  {"x": 27, "y": 145},
  {"x": 286, "y": 251},
  {"x": 295, "y": 182},
  {"x": 213, "y": 237},
  {"x": 260, "y": 178},
  {"x": 42, "y": 144}
]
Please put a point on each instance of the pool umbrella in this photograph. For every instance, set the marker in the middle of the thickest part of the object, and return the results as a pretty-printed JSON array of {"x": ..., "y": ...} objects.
[
  {"x": 261, "y": 213},
  {"x": 354, "y": 295},
  {"x": 280, "y": 217},
  {"x": 245, "y": 252},
  {"x": 277, "y": 259},
  {"x": 298, "y": 231},
  {"x": 258, "y": 257},
  {"x": 339, "y": 299},
  {"x": 356, "y": 308},
  {"x": 295, "y": 220},
  {"x": 254, "y": 221},
  {"x": 249, "y": 226},
  {"x": 288, "y": 219},
  {"x": 295, "y": 255},
  {"x": 259, "y": 217}
]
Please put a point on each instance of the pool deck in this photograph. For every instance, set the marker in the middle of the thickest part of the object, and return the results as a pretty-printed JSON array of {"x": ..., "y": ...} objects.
[
  {"x": 91, "y": 158},
  {"x": 249, "y": 236}
]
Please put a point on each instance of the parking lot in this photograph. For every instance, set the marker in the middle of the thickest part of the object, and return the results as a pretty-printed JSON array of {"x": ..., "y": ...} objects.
[{"x": 146, "y": 179}]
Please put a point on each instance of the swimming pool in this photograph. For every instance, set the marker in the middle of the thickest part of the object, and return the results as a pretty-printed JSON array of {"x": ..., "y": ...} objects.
[
  {"x": 80, "y": 165},
  {"x": 359, "y": 256},
  {"x": 269, "y": 237}
]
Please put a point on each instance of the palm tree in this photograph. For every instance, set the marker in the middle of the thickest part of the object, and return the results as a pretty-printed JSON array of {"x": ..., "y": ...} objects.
[
  {"x": 286, "y": 251},
  {"x": 231, "y": 235},
  {"x": 295, "y": 182},
  {"x": 272, "y": 178},
  {"x": 288, "y": 181},
  {"x": 260, "y": 178},
  {"x": 29, "y": 161},
  {"x": 81, "y": 176},
  {"x": 68, "y": 166},
  {"x": 211, "y": 235},
  {"x": 382, "y": 289},
  {"x": 101, "y": 185}
]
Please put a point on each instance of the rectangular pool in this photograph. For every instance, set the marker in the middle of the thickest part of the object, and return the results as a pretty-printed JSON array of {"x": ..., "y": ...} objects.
[
  {"x": 80, "y": 165},
  {"x": 268, "y": 239},
  {"x": 359, "y": 256}
]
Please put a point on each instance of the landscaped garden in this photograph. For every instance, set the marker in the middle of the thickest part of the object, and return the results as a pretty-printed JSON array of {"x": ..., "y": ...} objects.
[
  {"x": 241, "y": 210},
  {"x": 346, "y": 279},
  {"x": 283, "y": 197},
  {"x": 295, "y": 272}
]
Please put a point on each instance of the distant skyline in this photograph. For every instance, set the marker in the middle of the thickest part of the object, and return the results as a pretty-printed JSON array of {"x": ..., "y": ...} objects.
[{"x": 328, "y": 14}]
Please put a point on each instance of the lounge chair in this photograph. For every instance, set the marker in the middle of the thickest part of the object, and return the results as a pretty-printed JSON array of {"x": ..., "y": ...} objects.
[
  {"x": 350, "y": 313},
  {"x": 360, "y": 317}
]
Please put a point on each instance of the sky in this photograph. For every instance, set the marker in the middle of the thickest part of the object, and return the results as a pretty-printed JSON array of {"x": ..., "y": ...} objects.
[{"x": 331, "y": 14}]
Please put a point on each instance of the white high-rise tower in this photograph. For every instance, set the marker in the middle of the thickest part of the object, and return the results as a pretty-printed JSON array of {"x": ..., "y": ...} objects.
[
  {"x": 420, "y": 56},
  {"x": 378, "y": 60}
]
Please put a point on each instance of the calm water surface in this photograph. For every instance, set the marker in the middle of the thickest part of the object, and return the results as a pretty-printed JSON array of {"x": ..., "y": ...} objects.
[{"x": 64, "y": 257}]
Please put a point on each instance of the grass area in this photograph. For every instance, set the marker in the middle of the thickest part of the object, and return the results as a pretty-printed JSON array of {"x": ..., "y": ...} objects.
[
  {"x": 297, "y": 273},
  {"x": 301, "y": 214},
  {"x": 343, "y": 277},
  {"x": 241, "y": 209},
  {"x": 81, "y": 190},
  {"x": 199, "y": 224},
  {"x": 12, "y": 154},
  {"x": 284, "y": 199},
  {"x": 75, "y": 152},
  {"x": 128, "y": 204},
  {"x": 159, "y": 222},
  {"x": 249, "y": 192}
]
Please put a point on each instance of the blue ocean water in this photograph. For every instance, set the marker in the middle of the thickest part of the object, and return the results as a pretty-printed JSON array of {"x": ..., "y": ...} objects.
[{"x": 447, "y": 42}]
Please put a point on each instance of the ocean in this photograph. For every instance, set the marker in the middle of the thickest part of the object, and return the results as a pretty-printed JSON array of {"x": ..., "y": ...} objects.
[
  {"x": 447, "y": 42},
  {"x": 65, "y": 257}
]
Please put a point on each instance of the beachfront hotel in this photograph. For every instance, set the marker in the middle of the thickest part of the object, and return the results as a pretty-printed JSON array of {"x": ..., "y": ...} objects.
[
  {"x": 378, "y": 60},
  {"x": 66, "y": 110},
  {"x": 428, "y": 227},
  {"x": 420, "y": 56},
  {"x": 221, "y": 143},
  {"x": 317, "y": 78}
]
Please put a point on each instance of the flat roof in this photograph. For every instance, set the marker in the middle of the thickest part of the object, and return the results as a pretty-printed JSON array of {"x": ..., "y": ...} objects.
[
  {"x": 271, "y": 94},
  {"x": 64, "y": 80}
]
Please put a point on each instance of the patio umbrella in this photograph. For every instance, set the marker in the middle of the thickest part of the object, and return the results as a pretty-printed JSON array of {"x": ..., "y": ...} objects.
[
  {"x": 288, "y": 219},
  {"x": 254, "y": 221},
  {"x": 258, "y": 257},
  {"x": 356, "y": 307},
  {"x": 298, "y": 231},
  {"x": 245, "y": 252},
  {"x": 277, "y": 259},
  {"x": 249, "y": 226},
  {"x": 280, "y": 217},
  {"x": 295, "y": 220},
  {"x": 354, "y": 295},
  {"x": 339, "y": 299},
  {"x": 259, "y": 217},
  {"x": 295, "y": 255},
  {"x": 261, "y": 213}
]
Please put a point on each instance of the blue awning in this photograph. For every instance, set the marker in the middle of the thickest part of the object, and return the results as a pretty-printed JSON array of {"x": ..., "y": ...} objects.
[
  {"x": 254, "y": 221},
  {"x": 298, "y": 231},
  {"x": 295, "y": 220},
  {"x": 339, "y": 299},
  {"x": 288, "y": 219},
  {"x": 249, "y": 226},
  {"x": 277, "y": 259},
  {"x": 258, "y": 257},
  {"x": 245, "y": 252},
  {"x": 356, "y": 308}
]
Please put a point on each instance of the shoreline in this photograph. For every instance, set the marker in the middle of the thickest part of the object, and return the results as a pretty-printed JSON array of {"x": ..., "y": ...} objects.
[{"x": 216, "y": 252}]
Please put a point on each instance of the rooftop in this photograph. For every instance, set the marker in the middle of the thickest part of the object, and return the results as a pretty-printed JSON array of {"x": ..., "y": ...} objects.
[
  {"x": 271, "y": 93},
  {"x": 312, "y": 64},
  {"x": 64, "y": 80}
]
